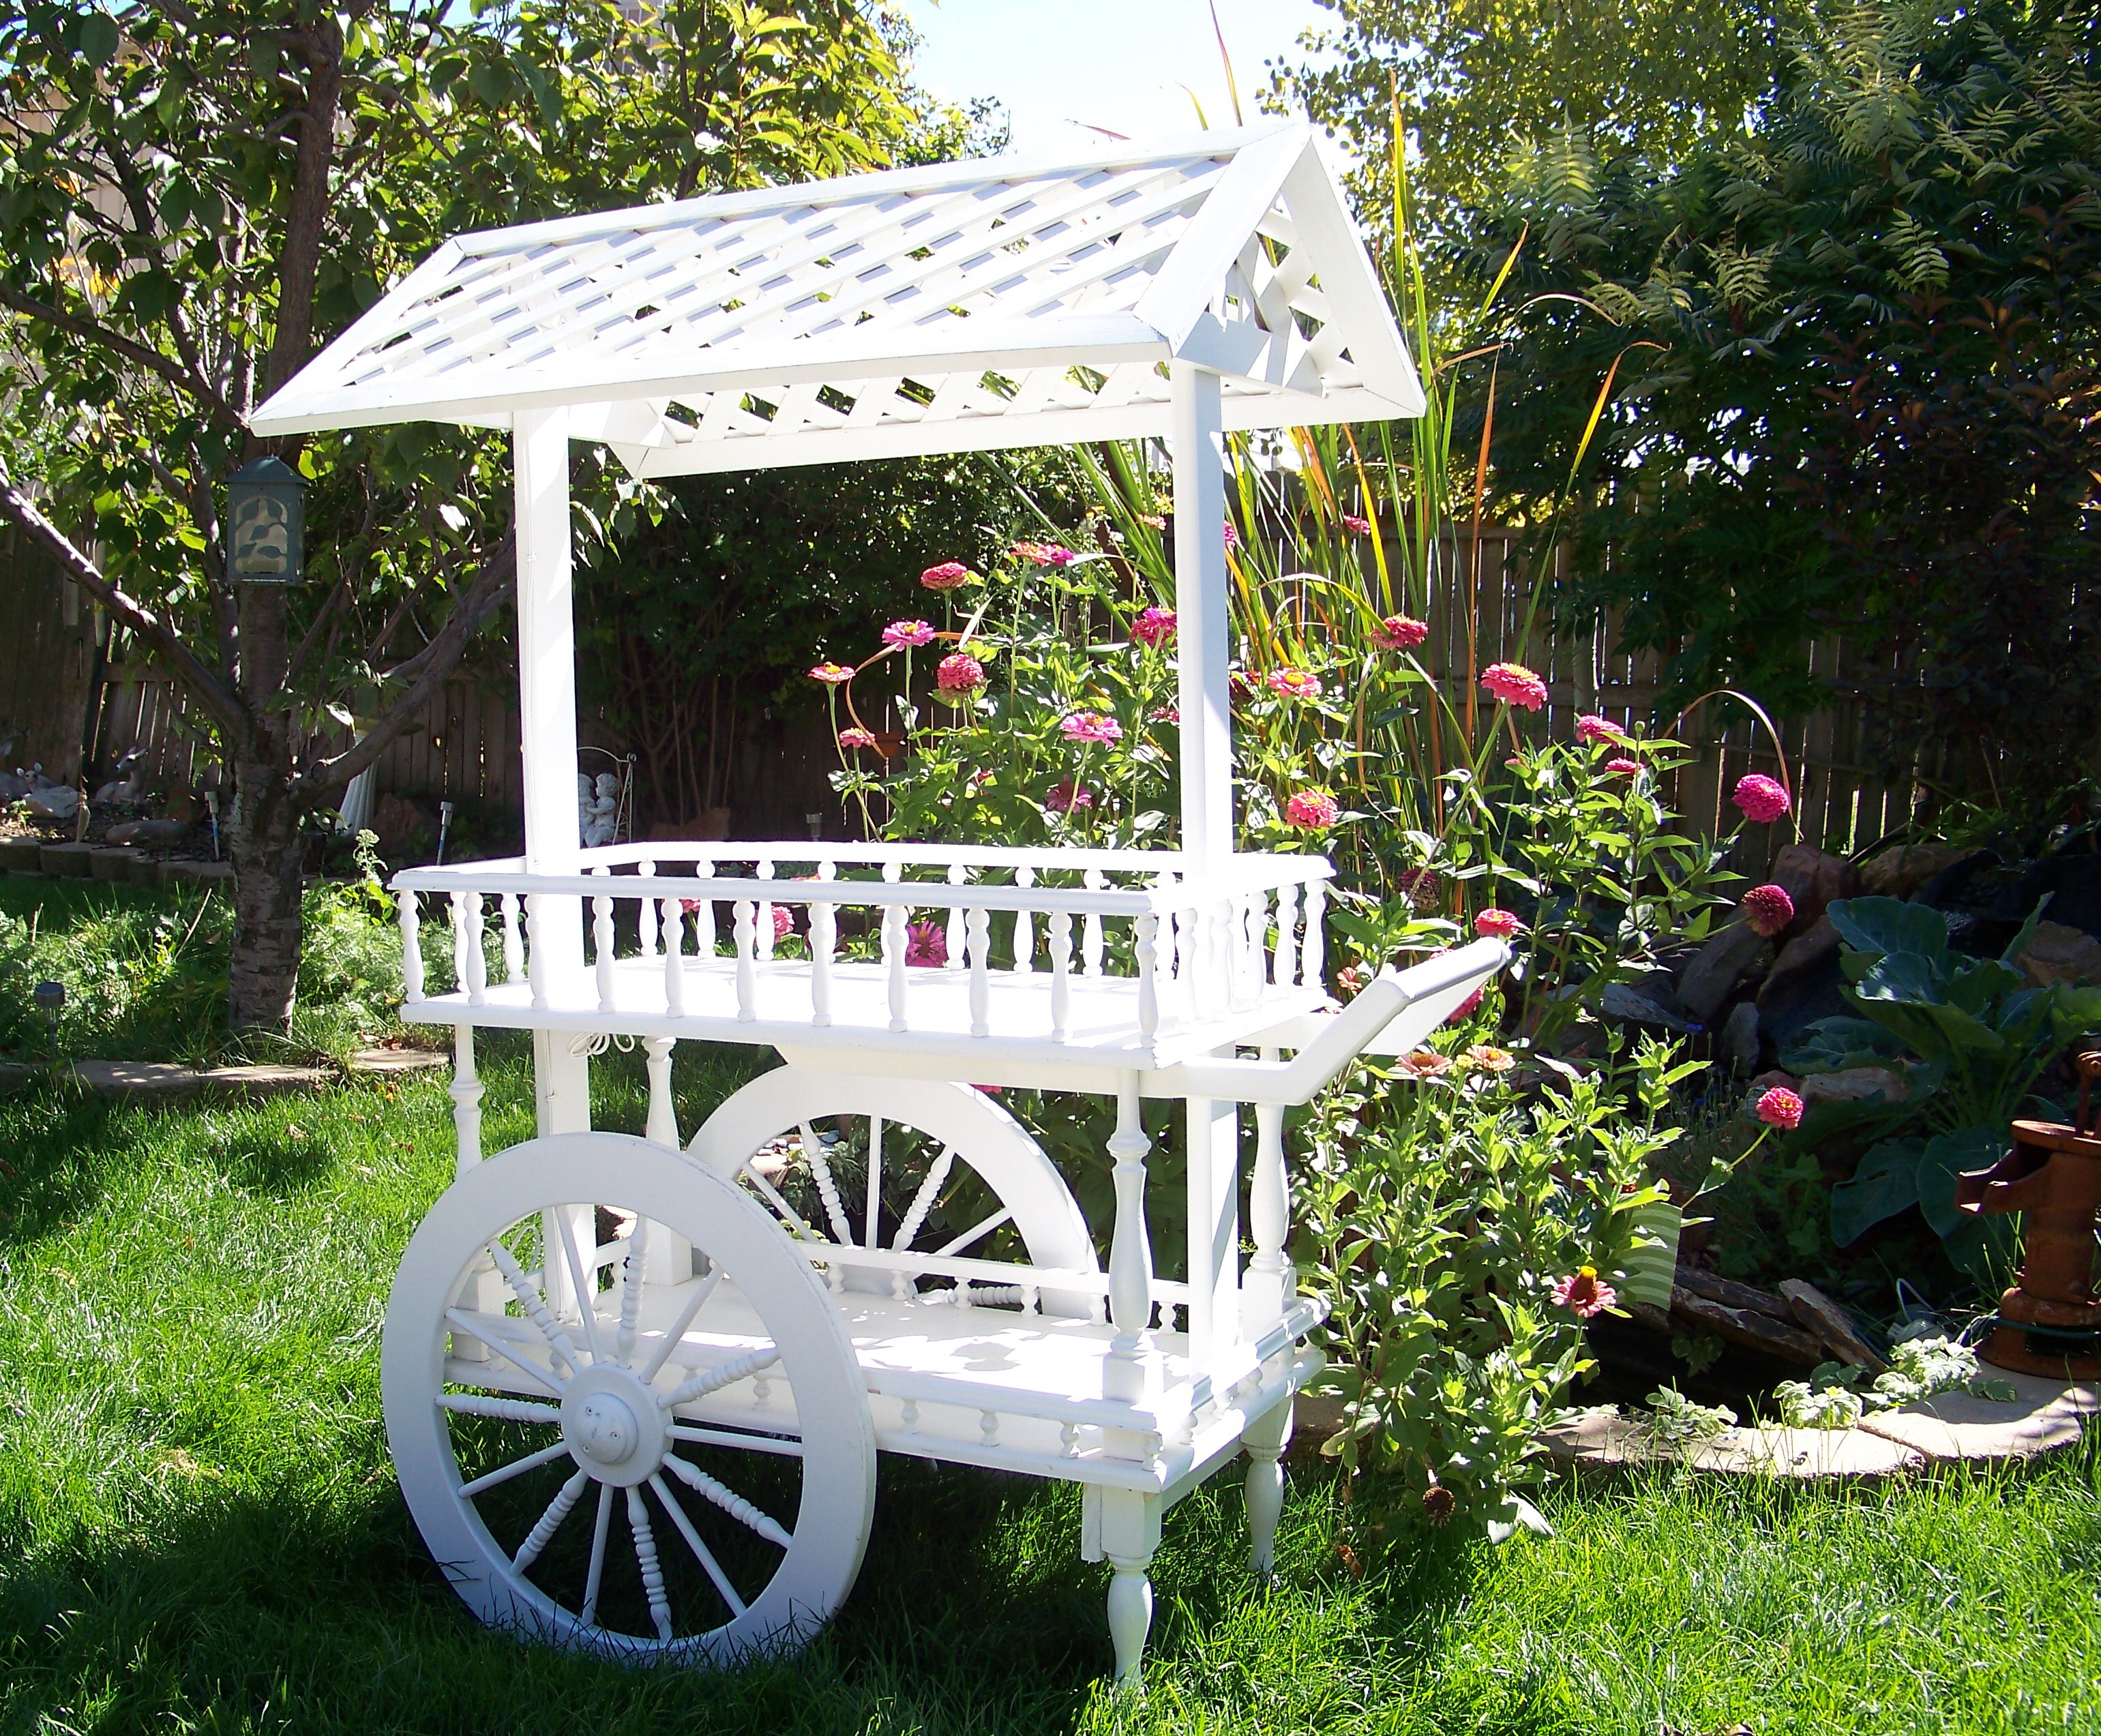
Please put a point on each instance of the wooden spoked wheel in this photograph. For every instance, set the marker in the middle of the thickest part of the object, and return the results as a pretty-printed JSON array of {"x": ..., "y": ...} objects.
[
  {"x": 682, "y": 1469},
  {"x": 903, "y": 1167}
]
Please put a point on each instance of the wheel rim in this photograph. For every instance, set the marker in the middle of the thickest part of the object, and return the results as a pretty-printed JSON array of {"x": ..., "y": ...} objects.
[{"x": 683, "y": 1470}]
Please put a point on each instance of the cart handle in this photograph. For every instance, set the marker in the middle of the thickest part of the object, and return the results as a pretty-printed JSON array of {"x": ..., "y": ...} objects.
[{"x": 1433, "y": 990}]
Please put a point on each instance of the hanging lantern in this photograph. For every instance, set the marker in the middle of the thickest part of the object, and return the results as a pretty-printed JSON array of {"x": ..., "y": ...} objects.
[{"x": 265, "y": 517}]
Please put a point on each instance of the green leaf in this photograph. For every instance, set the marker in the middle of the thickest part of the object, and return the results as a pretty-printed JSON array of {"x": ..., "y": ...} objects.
[
  {"x": 1945, "y": 1157},
  {"x": 1833, "y": 1043},
  {"x": 1886, "y": 1184},
  {"x": 1889, "y": 924},
  {"x": 99, "y": 39}
]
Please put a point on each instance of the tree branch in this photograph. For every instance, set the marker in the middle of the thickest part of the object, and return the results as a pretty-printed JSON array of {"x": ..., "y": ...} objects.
[
  {"x": 92, "y": 331},
  {"x": 202, "y": 682}
]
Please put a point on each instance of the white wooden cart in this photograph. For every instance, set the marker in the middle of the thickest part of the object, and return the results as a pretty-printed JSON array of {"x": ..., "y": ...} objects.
[{"x": 635, "y": 1389}]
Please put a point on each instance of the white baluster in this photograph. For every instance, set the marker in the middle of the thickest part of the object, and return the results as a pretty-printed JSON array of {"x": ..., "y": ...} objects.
[
  {"x": 536, "y": 963},
  {"x": 764, "y": 916},
  {"x": 1218, "y": 953},
  {"x": 1090, "y": 931},
  {"x": 1148, "y": 992},
  {"x": 957, "y": 937},
  {"x": 1130, "y": 1253},
  {"x": 1269, "y": 1279},
  {"x": 514, "y": 945},
  {"x": 602, "y": 946},
  {"x": 457, "y": 903},
  {"x": 823, "y": 943},
  {"x": 979, "y": 924},
  {"x": 645, "y": 916},
  {"x": 466, "y": 1092},
  {"x": 704, "y": 918},
  {"x": 675, "y": 957},
  {"x": 1188, "y": 964},
  {"x": 1284, "y": 964},
  {"x": 1255, "y": 930},
  {"x": 1061, "y": 975},
  {"x": 747, "y": 966},
  {"x": 1313, "y": 953},
  {"x": 412, "y": 953},
  {"x": 893, "y": 956},
  {"x": 1025, "y": 927},
  {"x": 477, "y": 960},
  {"x": 662, "y": 1127}
]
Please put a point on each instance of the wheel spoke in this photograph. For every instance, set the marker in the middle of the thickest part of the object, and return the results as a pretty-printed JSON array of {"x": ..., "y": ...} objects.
[
  {"x": 502, "y": 1409},
  {"x": 535, "y": 1306},
  {"x": 975, "y": 1234},
  {"x": 594, "y": 1578},
  {"x": 516, "y": 1468},
  {"x": 542, "y": 1379},
  {"x": 773, "y": 1198},
  {"x": 586, "y": 1292},
  {"x": 677, "y": 1331},
  {"x": 923, "y": 1202},
  {"x": 715, "y": 1379},
  {"x": 550, "y": 1521},
  {"x": 874, "y": 1219},
  {"x": 820, "y": 1171},
  {"x": 645, "y": 1558},
  {"x": 755, "y": 1443},
  {"x": 630, "y": 1287},
  {"x": 709, "y": 1565},
  {"x": 729, "y": 1500}
]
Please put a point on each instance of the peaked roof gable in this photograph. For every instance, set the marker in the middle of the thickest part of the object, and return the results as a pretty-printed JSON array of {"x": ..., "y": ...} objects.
[{"x": 993, "y": 302}]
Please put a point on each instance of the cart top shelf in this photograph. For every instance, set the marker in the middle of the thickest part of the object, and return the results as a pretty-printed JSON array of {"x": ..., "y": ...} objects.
[{"x": 997, "y": 303}]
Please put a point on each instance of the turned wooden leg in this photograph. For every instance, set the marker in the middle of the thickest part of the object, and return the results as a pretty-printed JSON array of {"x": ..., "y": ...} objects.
[
  {"x": 1123, "y": 1529},
  {"x": 1264, "y": 1442},
  {"x": 1130, "y": 1616}
]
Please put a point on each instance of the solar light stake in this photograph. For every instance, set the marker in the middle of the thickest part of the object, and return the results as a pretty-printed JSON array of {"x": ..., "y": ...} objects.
[{"x": 50, "y": 1002}]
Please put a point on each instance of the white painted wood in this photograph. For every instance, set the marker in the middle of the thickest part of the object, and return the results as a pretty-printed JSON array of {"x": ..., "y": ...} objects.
[
  {"x": 1204, "y": 694},
  {"x": 978, "y": 929},
  {"x": 1265, "y": 1440},
  {"x": 1024, "y": 925},
  {"x": 675, "y": 957},
  {"x": 406, "y": 913},
  {"x": 646, "y": 925},
  {"x": 1270, "y": 1284},
  {"x": 602, "y": 949},
  {"x": 1130, "y": 1253},
  {"x": 1061, "y": 976},
  {"x": 824, "y": 943},
  {"x": 957, "y": 936},
  {"x": 747, "y": 966},
  {"x": 1212, "y": 1183},
  {"x": 466, "y": 1092},
  {"x": 514, "y": 945}
]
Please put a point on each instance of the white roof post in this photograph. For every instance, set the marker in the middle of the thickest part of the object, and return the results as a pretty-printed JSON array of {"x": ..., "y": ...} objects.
[{"x": 1205, "y": 697}]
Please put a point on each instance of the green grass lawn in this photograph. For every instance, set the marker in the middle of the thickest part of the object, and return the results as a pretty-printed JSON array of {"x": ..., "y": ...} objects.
[{"x": 200, "y": 1529}]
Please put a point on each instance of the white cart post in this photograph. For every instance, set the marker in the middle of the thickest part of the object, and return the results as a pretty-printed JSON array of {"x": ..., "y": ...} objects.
[{"x": 635, "y": 1394}]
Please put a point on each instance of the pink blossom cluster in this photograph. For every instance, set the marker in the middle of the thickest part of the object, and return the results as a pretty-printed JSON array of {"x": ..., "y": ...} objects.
[
  {"x": 1768, "y": 909},
  {"x": 1292, "y": 683},
  {"x": 1621, "y": 766},
  {"x": 1780, "y": 1108},
  {"x": 1092, "y": 725},
  {"x": 1153, "y": 628},
  {"x": 1514, "y": 685},
  {"x": 1312, "y": 809},
  {"x": 856, "y": 737},
  {"x": 1761, "y": 799},
  {"x": 832, "y": 675},
  {"x": 959, "y": 676},
  {"x": 908, "y": 633},
  {"x": 1590, "y": 728},
  {"x": 927, "y": 944},
  {"x": 951, "y": 575},
  {"x": 1355, "y": 526},
  {"x": 1584, "y": 1293},
  {"x": 1043, "y": 553},
  {"x": 1066, "y": 796},
  {"x": 1497, "y": 923},
  {"x": 1399, "y": 633}
]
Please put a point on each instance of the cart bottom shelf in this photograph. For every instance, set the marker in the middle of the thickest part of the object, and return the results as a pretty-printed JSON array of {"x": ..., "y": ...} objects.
[{"x": 978, "y": 1386}]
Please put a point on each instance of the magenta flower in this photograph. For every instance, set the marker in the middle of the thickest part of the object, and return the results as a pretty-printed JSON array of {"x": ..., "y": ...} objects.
[
  {"x": 1514, "y": 685},
  {"x": 1781, "y": 1108},
  {"x": 1592, "y": 727},
  {"x": 784, "y": 922},
  {"x": 1168, "y": 714},
  {"x": 1153, "y": 627},
  {"x": 1621, "y": 766},
  {"x": 1067, "y": 797},
  {"x": 1310, "y": 810},
  {"x": 926, "y": 944},
  {"x": 948, "y": 576},
  {"x": 1399, "y": 633},
  {"x": 1351, "y": 979},
  {"x": 1092, "y": 725},
  {"x": 908, "y": 633},
  {"x": 1421, "y": 885},
  {"x": 1499, "y": 923},
  {"x": 1295, "y": 684},
  {"x": 959, "y": 677},
  {"x": 1231, "y": 534},
  {"x": 1355, "y": 526},
  {"x": 856, "y": 737},
  {"x": 1768, "y": 909},
  {"x": 1043, "y": 553},
  {"x": 1584, "y": 1293},
  {"x": 1762, "y": 800},
  {"x": 832, "y": 675}
]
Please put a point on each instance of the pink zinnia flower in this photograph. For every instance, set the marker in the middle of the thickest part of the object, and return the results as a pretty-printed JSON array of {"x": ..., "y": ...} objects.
[
  {"x": 959, "y": 675},
  {"x": 926, "y": 944},
  {"x": 1043, "y": 553},
  {"x": 1092, "y": 725},
  {"x": 1066, "y": 796},
  {"x": 1155, "y": 626},
  {"x": 1231, "y": 534},
  {"x": 1295, "y": 684},
  {"x": 784, "y": 922},
  {"x": 832, "y": 675},
  {"x": 1584, "y": 1293},
  {"x": 1399, "y": 633},
  {"x": 1500, "y": 924},
  {"x": 1419, "y": 885},
  {"x": 1488, "y": 1058},
  {"x": 1168, "y": 714},
  {"x": 1351, "y": 979},
  {"x": 1425, "y": 1063},
  {"x": 1768, "y": 909},
  {"x": 856, "y": 737},
  {"x": 911, "y": 632},
  {"x": 1592, "y": 727},
  {"x": 1515, "y": 685},
  {"x": 1622, "y": 766},
  {"x": 1762, "y": 800},
  {"x": 1310, "y": 810},
  {"x": 947, "y": 576},
  {"x": 1781, "y": 1108},
  {"x": 1467, "y": 1008},
  {"x": 1356, "y": 526}
]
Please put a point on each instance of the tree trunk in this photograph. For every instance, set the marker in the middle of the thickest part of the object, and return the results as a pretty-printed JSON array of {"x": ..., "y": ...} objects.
[{"x": 268, "y": 850}]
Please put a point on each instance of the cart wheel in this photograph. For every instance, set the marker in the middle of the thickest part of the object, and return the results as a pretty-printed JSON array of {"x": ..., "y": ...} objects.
[
  {"x": 909, "y": 1165},
  {"x": 683, "y": 1471}
]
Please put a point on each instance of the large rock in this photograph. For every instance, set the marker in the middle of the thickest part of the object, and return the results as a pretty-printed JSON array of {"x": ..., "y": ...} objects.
[
  {"x": 1855, "y": 1084},
  {"x": 1960, "y": 1427},
  {"x": 1708, "y": 977},
  {"x": 1740, "y": 1046},
  {"x": 2057, "y": 954},
  {"x": 1803, "y": 986},
  {"x": 1903, "y": 869},
  {"x": 1647, "y": 1003},
  {"x": 53, "y": 802},
  {"x": 2073, "y": 882},
  {"x": 147, "y": 832},
  {"x": 111, "y": 865},
  {"x": 1812, "y": 878}
]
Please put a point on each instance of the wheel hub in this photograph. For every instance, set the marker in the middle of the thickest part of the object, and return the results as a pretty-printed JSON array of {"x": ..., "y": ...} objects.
[{"x": 613, "y": 1427}]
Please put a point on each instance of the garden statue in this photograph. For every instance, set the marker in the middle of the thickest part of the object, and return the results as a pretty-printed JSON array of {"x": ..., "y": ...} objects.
[{"x": 598, "y": 808}]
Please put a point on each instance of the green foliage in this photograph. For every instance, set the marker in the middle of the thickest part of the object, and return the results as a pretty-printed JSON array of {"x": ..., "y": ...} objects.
[
  {"x": 1438, "y": 1218},
  {"x": 1973, "y": 1039},
  {"x": 1872, "y": 411}
]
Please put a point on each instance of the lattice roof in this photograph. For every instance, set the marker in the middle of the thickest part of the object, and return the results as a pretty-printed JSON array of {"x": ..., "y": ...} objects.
[{"x": 996, "y": 302}]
